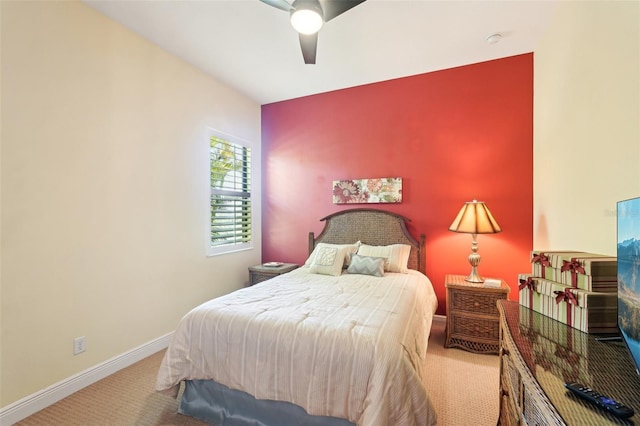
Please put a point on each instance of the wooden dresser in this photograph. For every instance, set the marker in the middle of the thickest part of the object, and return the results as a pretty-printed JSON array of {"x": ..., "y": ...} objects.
[
  {"x": 538, "y": 355},
  {"x": 473, "y": 323}
]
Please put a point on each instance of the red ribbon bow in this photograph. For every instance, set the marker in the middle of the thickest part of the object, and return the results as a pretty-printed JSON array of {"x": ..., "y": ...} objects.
[
  {"x": 574, "y": 266},
  {"x": 528, "y": 283},
  {"x": 566, "y": 296},
  {"x": 541, "y": 259}
]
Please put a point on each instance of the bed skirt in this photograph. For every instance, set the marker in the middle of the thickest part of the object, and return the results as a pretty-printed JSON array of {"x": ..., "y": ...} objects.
[{"x": 216, "y": 404}]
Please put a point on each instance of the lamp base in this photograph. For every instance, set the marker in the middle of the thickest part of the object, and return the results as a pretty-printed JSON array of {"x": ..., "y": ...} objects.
[
  {"x": 474, "y": 277},
  {"x": 474, "y": 261}
]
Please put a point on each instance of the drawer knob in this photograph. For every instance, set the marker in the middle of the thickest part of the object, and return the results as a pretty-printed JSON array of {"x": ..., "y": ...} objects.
[{"x": 476, "y": 304}]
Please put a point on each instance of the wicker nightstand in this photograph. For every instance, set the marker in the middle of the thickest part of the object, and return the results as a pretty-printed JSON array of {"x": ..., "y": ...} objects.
[
  {"x": 259, "y": 273},
  {"x": 473, "y": 322}
]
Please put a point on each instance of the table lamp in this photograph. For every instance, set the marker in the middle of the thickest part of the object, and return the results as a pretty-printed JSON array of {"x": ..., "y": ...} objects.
[{"x": 474, "y": 218}]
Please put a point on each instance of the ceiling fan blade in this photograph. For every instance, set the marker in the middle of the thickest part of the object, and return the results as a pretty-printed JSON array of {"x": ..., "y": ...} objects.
[
  {"x": 280, "y": 4},
  {"x": 309, "y": 45},
  {"x": 333, "y": 8}
]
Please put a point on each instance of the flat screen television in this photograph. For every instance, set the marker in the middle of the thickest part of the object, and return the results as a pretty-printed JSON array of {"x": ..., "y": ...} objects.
[{"x": 628, "y": 250}]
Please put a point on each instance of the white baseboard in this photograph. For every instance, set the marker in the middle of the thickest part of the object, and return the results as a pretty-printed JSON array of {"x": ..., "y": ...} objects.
[{"x": 31, "y": 404}]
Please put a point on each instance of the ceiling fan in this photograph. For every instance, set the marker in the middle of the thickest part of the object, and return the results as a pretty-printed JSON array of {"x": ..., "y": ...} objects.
[{"x": 307, "y": 17}]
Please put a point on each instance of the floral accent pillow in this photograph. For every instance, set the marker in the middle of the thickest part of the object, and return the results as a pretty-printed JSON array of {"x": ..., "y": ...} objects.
[{"x": 396, "y": 256}]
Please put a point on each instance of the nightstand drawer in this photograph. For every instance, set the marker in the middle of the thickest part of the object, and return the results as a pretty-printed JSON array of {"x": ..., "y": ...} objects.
[
  {"x": 259, "y": 273},
  {"x": 473, "y": 321},
  {"x": 475, "y": 302},
  {"x": 475, "y": 328},
  {"x": 256, "y": 277}
]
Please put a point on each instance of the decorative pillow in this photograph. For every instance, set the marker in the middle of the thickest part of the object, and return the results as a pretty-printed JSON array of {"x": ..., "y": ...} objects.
[
  {"x": 396, "y": 255},
  {"x": 352, "y": 249},
  {"x": 366, "y": 265},
  {"x": 328, "y": 260}
]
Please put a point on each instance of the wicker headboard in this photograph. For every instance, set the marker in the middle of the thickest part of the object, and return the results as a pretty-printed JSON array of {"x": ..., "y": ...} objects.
[{"x": 373, "y": 227}]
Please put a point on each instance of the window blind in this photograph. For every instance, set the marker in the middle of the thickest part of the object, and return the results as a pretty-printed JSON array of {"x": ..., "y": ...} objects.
[{"x": 230, "y": 193}]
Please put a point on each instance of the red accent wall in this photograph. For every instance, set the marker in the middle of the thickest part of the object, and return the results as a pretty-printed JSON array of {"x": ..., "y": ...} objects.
[{"x": 452, "y": 135}]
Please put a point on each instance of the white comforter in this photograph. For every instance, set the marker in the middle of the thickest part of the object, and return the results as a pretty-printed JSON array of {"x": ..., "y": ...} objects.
[{"x": 351, "y": 346}]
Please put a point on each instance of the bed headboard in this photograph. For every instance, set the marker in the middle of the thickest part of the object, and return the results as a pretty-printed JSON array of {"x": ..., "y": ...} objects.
[{"x": 373, "y": 227}]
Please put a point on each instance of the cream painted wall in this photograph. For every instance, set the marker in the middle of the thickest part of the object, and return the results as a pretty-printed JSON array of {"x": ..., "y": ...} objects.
[
  {"x": 586, "y": 124},
  {"x": 104, "y": 175}
]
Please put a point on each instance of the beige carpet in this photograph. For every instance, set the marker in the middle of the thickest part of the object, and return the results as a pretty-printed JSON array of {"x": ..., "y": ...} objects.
[{"x": 463, "y": 388}]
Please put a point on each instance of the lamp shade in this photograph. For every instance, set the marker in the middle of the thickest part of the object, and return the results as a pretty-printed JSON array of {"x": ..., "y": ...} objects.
[{"x": 475, "y": 218}]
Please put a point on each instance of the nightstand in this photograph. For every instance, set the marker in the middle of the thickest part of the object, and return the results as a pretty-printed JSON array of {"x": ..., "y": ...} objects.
[
  {"x": 473, "y": 321},
  {"x": 259, "y": 273}
]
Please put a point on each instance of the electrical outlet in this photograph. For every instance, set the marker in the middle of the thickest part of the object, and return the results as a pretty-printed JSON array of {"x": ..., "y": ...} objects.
[{"x": 79, "y": 345}]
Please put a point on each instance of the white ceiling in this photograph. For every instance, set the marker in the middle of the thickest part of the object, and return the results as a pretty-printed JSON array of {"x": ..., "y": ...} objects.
[{"x": 251, "y": 46}]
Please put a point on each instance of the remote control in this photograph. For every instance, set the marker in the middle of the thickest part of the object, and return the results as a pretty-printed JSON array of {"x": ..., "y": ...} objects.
[{"x": 616, "y": 408}]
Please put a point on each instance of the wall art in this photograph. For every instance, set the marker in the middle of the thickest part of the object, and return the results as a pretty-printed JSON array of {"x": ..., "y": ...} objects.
[{"x": 364, "y": 191}]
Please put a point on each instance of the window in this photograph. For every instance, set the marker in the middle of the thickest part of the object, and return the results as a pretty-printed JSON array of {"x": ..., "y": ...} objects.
[{"x": 230, "y": 182}]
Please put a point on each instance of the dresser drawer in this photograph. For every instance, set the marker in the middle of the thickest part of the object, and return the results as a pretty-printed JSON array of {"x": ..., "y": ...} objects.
[
  {"x": 532, "y": 409},
  {"x": 511, "y": 379},
  {"x": 509, "y": 415},
  {"x": 475, "y": 302},
  {"x": 520, "y": 389}
]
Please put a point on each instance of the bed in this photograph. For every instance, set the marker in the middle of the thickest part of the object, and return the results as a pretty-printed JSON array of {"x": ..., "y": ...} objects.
[{"x": 339, "y": 341}]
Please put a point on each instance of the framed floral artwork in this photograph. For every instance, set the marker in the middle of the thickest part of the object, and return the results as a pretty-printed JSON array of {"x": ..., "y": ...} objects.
[{"x": 364, "y": 191}]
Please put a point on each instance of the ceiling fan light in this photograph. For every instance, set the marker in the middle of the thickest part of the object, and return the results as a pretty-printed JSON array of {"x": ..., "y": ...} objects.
[{"x": 306, "y": 21}]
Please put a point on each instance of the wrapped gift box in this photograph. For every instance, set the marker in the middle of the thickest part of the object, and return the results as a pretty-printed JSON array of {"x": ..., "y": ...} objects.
[
  {"x": 528, "y": 295},
  {"x": 591, "y": 312},
  {"x": 585, "y": 271},
  {"x": 539, "y": 270},
  {"x": 542, "y": 267}
]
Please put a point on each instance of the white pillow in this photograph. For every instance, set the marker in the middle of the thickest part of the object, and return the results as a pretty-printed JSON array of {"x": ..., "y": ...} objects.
[
  {"x": 352, "y": 249},
  {"x": 328, "y": 260},
  {"x": 396, "y": 256}
]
